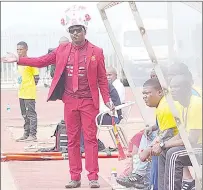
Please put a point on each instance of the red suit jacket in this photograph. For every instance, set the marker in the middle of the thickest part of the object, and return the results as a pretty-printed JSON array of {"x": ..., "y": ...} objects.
[{"x": 96, "y": 72}]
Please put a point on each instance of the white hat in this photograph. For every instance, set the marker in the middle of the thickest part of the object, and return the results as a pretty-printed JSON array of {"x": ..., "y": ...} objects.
[{"x": 76, "y": 15}]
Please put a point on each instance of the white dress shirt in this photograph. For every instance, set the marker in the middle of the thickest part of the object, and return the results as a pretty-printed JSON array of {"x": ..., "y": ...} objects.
[{"x": 120, "y": 89}]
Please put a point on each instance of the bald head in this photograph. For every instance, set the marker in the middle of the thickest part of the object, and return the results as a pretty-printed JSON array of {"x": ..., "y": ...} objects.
[
  {"x": 111, "y": 74},
  {"x": 111, "y": 69},
  {"x": 63, "y": 39}
]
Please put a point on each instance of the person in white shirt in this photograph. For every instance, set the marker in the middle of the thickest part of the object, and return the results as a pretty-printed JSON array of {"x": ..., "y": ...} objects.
[{"x": 118, "y": 85}]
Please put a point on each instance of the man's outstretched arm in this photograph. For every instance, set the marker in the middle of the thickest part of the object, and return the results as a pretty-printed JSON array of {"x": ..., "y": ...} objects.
[{"x": 39, "y": 62}]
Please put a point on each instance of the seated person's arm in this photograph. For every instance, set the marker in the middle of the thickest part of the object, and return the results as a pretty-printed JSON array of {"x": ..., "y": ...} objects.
[
  {"x": 174, "y": 142},
  {"x": 150, "y": 129},
  {"x": 166, "y": 134},
  {"x": 155, "y": 127},
  {"x": 115, "y": 99},
  {"x": 177, "y": 141}
]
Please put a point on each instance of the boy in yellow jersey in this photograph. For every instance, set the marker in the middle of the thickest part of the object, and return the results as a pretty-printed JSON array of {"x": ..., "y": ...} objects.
[
  {"x": 27, "y": 80},
  {"x": 174, "y": 157}
]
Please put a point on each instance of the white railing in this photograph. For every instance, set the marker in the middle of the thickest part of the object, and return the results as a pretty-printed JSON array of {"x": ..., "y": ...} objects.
[{"x": 38, "y": 44}]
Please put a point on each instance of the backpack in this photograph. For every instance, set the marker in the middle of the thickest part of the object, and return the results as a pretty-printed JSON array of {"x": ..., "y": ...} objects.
[{"x": 61, "y": 143}]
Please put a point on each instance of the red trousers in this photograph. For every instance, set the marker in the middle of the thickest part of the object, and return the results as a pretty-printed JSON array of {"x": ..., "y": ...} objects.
[{"x": 81, "y": 113}]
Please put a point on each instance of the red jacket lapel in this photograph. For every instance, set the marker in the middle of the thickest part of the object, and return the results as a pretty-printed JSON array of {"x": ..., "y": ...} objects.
[{"x": 90, "y": 49}]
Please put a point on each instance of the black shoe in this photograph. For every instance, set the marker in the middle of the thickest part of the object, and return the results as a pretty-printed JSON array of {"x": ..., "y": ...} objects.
[
  {"x": 142, "y": 185},
  {"x": 188, "y": 185},
  {"x": 131, "y": 180}
]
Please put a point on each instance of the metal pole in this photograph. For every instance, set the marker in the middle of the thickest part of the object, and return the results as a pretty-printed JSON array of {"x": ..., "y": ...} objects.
[{"x": 170, "y": 32}]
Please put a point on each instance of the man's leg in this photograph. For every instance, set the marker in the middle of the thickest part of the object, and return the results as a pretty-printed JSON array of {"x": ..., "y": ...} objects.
[
  {"x": 154, "y": 166},
  {"x": 73, "y": 126},
  {"x": 188, "y": 180},
  {"x": 32, "y": 116},
  {"x": 27, "y": 122},
  {"x": 140, "y": 176},
  {"x": 141, "y": 168},
  {"x": 141, "y": 172},
  {"x": 88, "y": 115},
  {"x": 176, "y": 159},
  {"x": 161, "y": 170},
  {"x": 154, "y": 172}
]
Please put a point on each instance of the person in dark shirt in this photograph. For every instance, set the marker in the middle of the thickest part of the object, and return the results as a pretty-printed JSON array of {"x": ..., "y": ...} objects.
[{"x": 107, "y": 120}]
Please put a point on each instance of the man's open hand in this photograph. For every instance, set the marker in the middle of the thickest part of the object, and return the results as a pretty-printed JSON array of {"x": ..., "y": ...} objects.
[{"x": 10, "y": 58}]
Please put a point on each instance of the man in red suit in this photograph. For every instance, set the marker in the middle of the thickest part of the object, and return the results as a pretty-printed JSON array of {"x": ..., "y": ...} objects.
[{"x": 80, "y": 72}]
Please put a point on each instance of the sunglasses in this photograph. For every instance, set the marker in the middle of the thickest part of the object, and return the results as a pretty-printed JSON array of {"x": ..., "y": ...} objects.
[{"x": 73, "y": 30}]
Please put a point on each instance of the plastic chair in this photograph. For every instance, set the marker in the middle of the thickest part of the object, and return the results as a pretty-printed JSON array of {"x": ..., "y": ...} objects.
[{"x": 125, "y": 108}]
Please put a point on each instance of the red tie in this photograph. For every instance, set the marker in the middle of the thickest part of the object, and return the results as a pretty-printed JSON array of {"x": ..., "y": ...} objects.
[{"x": 75, "y": 71}]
